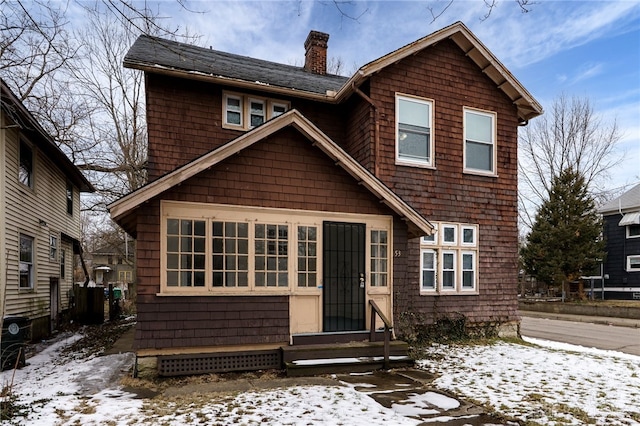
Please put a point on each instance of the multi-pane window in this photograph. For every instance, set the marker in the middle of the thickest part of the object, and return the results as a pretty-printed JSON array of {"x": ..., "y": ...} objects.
[
  {"x": 69, "y": 198},
  {"x": 479, "y": 141},
  {"x": 53, "y": 247},
  {"x": 633, "y": 263},
  {"x": 379, "y": 258},
  {"x": 271, "y": 255},
  {"x": 243, "y": 112},
  {"x": 186, "y": 258},
  {"x": 256, "y": 112},
  {"x": 230, "y": 246},
  {"x": 233, "y": 110},
  {"x": 26, "y": 262},
  {"x": 448, "y": 260},
  {"x": 25, "y": 169},
  {"x": 428, "y": 269},
  {"x": 414, "y": 142},
  {"x": 125, "y": 276},
  {"x": 307, "y": 256}
]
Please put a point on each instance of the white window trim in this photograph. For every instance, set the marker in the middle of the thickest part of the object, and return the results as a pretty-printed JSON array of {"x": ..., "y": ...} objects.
[
  {"x": 225, "y": 104},
  {"x": 434, "y": 252},
  {"x": 474, "y": 228},
  {"x": 252, "y": 215},
  {"x": 629, "y": 258},
  {"x": 53, "y": 247},
  {"x": 456, "y": 271},
  {"x": 260, "y": 101},
  {"x": 245, "y": 109},
  {"x": 443, "y": 227},
  {"x": 494, "y": 121},
  {"x": 474, "y": 255},
  {"x": 458, "y": 249},
  {"x": 627, "y": 232},
  {"x": 430, "y": 163},
  {"x": 435, "y": 235}
]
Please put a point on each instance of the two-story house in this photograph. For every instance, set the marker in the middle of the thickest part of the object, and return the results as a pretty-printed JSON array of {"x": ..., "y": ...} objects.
[
  {"x": 621, "y": 221},
  {"x": 283, "y": 199},
  {"x": 39, "y": 219}
]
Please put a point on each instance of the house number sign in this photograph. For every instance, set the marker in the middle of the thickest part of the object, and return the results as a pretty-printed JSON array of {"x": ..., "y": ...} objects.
[{"x": 397, "y": 253}]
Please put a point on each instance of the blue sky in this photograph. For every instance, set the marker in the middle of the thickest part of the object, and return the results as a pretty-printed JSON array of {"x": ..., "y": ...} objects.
[{"x": 579, "y": 48}]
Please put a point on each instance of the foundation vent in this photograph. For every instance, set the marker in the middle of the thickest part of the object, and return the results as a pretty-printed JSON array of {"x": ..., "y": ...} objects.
[{"x": 191, "y": 364}]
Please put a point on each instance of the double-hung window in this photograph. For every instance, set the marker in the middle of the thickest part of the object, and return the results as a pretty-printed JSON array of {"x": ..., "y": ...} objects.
[
  {"x": 53, "y": 247},
  {"x": 479, "y": 141},
  {"x": 633, "y": 263},
  {"x": 414, "y": 131},
  {"x": 448, "y": 259},
  {"x": 26, "y": 262},
  {"x": 257, "y": 112},
  {"x": 69, "y": 198}
]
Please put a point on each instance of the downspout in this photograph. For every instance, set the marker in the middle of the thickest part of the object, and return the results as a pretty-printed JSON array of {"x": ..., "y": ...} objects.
[{"x": 376, "y": 135}]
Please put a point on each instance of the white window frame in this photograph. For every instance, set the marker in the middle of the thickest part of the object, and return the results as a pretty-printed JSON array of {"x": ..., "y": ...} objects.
[
  {"x": 628, "y": 232},
  {"x": 416, "y": 162},
  {"x": 634, "y": 258},
  {"x": 493, "y": 143},
  {"x": 379, "y": 276},
  {"x": 226, "y": 109},
  {"x": 472, "y": 228},
  {"x": 444, "y": 227},
  {"x": 28, "y": 265},
  {"x": 30, "y": 174},
  {"x": 434, "y": 254},
  {"x": 251, "y": 113},
  {"x": 245, "y": 101},
  {"x": 458, "y": 249},
  {"x": 431, "y": 240},
  {"x": 474, "y": 269},
  {"x": 252, "y": 215}
]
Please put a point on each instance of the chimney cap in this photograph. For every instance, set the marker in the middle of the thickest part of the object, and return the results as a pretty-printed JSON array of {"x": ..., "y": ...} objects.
[{"x": 316, "y": 38}]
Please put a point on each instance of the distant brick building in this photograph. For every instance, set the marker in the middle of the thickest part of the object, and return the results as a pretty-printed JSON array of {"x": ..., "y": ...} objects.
[{"x": 282, "y": 199}]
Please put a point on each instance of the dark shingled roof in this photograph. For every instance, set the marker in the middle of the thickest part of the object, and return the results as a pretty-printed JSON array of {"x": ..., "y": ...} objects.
[{"x": 156, "y": 52}]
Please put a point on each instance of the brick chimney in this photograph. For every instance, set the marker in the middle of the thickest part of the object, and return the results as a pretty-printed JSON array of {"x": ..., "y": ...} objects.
[{"x": 315, "y": 57}]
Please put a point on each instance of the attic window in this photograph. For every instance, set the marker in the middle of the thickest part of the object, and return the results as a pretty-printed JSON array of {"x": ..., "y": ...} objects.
[{"x": 241, "y": 112}]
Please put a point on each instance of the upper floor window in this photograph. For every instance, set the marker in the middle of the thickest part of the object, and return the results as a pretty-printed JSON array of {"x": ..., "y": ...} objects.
[
  {"x": 26, "y": 262},
  {"x": 243, "y": 112},
  {"x": 25, "y": 170},
  {"x": 479, "y": 141},
  {"x": 633, "y": 231},
  {"x": 69, "y": 198},
  {"x": 414, "y": 138},
  {"x": 63, "y": 264}
]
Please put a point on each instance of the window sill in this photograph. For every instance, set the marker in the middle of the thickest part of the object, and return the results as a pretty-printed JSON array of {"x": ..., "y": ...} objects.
[
  {"x": 276, "y": 292},
  {"x": 479, "y": 173},
  {"x": 416, "y": 164},
  {"x": 449, "y": 293}
]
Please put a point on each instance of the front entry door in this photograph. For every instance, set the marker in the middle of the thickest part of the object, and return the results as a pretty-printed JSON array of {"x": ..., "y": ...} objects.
[{"x": 343, "y": 276}]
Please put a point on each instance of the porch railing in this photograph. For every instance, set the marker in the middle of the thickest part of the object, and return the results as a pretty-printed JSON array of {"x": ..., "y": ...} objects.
[{"x": 376, "y": 311}]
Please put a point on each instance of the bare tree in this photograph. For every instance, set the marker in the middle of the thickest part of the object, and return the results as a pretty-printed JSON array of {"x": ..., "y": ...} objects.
[
  {"x": 569, "y": 136},
  {"x": 524, "y": 5}
]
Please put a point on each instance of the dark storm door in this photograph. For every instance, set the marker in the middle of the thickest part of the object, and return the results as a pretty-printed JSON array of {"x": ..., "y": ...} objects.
[{"x": 343, "y": 276}]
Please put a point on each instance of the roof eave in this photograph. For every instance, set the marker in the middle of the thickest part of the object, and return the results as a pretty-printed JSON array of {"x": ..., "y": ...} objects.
[{"x": 328, "y": 97}]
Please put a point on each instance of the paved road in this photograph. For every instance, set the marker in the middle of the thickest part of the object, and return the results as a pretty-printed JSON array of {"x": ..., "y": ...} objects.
[{"x": 622, "y": 339}]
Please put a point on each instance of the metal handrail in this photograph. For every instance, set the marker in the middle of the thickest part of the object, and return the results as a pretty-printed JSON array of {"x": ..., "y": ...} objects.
[{"x": 375, "y": 310}]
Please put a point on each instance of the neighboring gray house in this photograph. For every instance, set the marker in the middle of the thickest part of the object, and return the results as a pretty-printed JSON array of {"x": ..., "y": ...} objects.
[
  {"x": 621, "y": 218},
  {"x": 39, "y": 219}
]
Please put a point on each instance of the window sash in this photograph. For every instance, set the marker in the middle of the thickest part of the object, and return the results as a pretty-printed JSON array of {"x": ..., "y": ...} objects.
[
  {"x": 307, "y": 256},
  {"x": 428, "y": 270},
  {"x": 414, "y": 142},
  {"x": 449, "y": 272},
  {"x": 633, "y": 263},
  {"x": 633, "y": 231},
  {"x": 479, "y": 141},
  {"x": 53, "y": 247},
  {"x": 468, "y": 270},
  {"x": 69, "y": 198},
  {"x": 233, "y": 110},
  {"x": 257, "y": 112}
]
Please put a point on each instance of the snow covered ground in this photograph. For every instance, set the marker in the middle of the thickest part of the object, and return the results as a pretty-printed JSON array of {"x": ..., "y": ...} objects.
[{"x": 543, "y": 383}]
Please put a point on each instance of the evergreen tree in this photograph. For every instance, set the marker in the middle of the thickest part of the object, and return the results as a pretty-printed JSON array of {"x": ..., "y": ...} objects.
[{"x": 565, "y": 240}]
